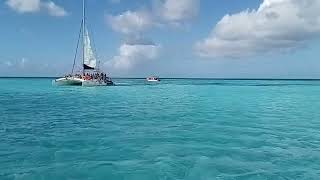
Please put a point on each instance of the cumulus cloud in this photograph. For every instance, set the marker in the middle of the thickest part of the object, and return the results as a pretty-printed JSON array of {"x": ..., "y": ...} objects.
[
  {"x": 54, "y": 10},
  {"x": 23, "y": 62},
  {"x": 134, "y": 24},
  {"x": 24, "y": 6},
  {"x": 17, "y": 63},
  {"x": 276, "y": 26},
  {"x": 177, "y": 11},
  {"x": 8, "y": 63},
  {"x": 131, "y": 54},
  {"x": 137, "y": 48},
  {"x": 29, "y": 67},
  {"x": 131, "y": 22},
  {"x": 164, "y": 12},
  {"x": 31, "y": 6}
]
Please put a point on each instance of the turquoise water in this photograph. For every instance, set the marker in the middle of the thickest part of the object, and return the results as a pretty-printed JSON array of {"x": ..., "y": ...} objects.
[{"x": 176, "y": 130}]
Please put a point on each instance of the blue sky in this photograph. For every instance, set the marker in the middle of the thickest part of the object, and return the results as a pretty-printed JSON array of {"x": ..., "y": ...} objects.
[{"x": 169, "y": 38}]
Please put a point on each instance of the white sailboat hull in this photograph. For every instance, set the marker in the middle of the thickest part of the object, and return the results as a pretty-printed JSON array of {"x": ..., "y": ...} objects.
[
  {"x": 153, "y": 80},
  {"x": 74, "y": 81},
  {"x": 68, "y": 81}
]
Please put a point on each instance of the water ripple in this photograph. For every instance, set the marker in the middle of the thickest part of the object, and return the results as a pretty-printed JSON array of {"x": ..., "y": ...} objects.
[{"x": 176, "y": 130}]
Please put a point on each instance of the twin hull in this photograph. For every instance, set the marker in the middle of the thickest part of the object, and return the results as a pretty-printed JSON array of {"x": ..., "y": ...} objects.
[{"x": 72, "y": 81}]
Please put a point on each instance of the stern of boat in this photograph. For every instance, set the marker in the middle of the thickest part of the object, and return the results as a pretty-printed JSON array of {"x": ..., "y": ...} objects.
[{"x": 68, "y": 81}]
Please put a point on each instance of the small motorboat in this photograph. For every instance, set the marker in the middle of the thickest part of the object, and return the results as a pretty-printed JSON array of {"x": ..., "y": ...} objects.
[{"x": 153, "y": 79}]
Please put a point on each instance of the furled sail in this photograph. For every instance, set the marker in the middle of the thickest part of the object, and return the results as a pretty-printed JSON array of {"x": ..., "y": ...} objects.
[{"x": 90, "y": 60}]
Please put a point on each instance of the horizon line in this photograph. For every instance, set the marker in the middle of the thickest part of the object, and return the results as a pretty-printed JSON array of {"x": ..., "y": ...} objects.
[{"x": 199, "y": 78}]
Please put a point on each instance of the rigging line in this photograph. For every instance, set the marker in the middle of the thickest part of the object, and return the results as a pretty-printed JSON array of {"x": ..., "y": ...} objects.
[
  {"x": 83, "y": 32},
  {"x": 75, "y": 56}
]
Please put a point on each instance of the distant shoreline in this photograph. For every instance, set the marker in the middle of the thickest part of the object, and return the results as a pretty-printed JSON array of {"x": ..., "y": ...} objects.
[{"x": 184, "y": 78}]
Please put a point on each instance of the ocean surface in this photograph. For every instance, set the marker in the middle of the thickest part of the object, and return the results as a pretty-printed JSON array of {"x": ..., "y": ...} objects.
[{"x": 179, "y": 129}]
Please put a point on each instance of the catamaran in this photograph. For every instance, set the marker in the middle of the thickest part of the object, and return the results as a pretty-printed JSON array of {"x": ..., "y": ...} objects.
[{"x": 90, "y": 74}]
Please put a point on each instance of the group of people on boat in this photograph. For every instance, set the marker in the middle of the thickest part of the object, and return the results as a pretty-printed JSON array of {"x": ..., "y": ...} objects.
[
  {"x": 96, "y": 76},
  {"x": 92, "y": 76}
]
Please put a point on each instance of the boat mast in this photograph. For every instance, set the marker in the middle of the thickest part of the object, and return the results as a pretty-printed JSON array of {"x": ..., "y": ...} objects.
[{"x": 83, "y": 32}]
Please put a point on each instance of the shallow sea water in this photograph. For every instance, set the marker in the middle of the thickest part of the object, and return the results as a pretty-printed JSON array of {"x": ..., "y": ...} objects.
[{"x": 179, "y": 129}]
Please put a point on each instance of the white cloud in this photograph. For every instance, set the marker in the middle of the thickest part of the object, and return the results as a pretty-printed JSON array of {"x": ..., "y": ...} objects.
[
  {"x": 164, "y": 12},
  {"x": 23, "y": 62},
  {"x": 177, "y": 11},
  {"x": 24, "y": 6},
  {"x": 276, "y": 26},
  {"x": 131, "y": 22},
  {"x": 8, "y": 63},
  {"x": 31, "y": 6},
  {"x": 19, "y": 63},
  {"x": 134, "y": 24},
  {"x": 54, "y": 10},
  {"x": 131, "y": 54}
]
